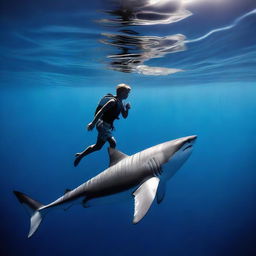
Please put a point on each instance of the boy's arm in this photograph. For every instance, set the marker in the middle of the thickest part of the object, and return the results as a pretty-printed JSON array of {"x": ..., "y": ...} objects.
[
  {"x": 99, "y": 114},
  {"x": 125, "y": 110}
]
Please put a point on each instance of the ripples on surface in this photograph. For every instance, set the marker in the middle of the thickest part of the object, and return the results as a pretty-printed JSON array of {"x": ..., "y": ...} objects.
[
  {"x": 133, "y": 49},
  {"x": 128, "y": 37}
]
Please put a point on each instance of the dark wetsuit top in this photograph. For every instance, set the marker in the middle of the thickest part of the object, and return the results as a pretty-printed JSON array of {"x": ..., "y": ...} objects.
[{"x": 112, "y": 113}]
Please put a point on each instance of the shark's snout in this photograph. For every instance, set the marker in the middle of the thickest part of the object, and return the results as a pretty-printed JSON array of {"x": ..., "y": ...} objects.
[
  {"x": 192, "y": 138},
  {"x": 189, "y": 142}
]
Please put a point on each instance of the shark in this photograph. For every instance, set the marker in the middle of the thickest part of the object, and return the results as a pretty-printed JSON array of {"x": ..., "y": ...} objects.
[{"x": 141, "y": 176}]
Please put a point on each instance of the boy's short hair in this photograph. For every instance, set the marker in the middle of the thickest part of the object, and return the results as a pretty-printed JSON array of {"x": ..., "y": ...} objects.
[{"x": 122, "y": 87}]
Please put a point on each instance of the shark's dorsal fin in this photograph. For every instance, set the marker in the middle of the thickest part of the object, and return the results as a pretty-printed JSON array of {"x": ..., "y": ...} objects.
[
  {"x": 115, "y": 156},
  {"x": 144, "y": 196},
  {"x": 67, "y": 190}
]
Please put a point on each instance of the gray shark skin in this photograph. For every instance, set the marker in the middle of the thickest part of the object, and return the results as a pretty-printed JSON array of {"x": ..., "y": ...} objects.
[{"x": 142, "y": 175}]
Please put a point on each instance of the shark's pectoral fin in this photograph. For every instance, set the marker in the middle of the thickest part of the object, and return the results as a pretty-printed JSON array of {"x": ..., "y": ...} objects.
[
  {"x": 144, "y": 197},
  {"x": 115, "y": 156},
  {"x": 161, "y": 191}
]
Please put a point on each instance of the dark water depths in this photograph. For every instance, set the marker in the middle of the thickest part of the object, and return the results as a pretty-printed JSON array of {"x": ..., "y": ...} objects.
[{"x": 192, "y": 71}]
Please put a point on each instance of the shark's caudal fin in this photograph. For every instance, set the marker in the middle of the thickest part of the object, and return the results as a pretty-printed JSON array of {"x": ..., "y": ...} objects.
[{"x": 33, "y": 208}]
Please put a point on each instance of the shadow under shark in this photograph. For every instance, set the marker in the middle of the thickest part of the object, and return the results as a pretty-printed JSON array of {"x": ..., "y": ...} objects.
[{"x": 142, "y": 175}]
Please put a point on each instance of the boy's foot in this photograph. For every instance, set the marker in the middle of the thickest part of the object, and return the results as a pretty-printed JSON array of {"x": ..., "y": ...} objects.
[{"x": 77, "y": 160}]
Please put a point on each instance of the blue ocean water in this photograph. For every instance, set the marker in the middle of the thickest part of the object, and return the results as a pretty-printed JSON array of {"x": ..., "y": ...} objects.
[{"x": 191, "y": 67}]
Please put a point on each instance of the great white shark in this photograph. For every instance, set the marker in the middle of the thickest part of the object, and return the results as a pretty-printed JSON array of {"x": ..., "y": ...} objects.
[{"x": 142, "y": 175}]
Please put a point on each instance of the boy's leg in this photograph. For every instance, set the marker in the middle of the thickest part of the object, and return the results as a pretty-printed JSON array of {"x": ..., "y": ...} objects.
[
  {"x": 104, "y": 134},
  {"x": 112, "y": 142},
  {"x": 99, "y": 144}
]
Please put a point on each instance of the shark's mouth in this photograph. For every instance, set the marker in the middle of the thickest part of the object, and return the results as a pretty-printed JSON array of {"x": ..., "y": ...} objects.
[{"x": 189, "y": 146}]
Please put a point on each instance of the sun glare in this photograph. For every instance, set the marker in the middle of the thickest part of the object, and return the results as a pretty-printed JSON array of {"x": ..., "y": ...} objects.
[
  {"x": 183, "y": 2},
  {"x": 200, "y": 1},
  {"x": 153, "y": 2}
]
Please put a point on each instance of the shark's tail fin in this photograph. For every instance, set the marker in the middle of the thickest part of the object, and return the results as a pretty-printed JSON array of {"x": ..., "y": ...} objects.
[{"x": 33, "y": 207}]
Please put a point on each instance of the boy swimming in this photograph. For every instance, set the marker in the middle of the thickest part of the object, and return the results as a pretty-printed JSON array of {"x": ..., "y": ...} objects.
[{"x": 108, "y": 110}]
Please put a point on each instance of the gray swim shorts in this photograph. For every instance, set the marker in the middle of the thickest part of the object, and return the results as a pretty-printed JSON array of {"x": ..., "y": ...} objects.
[{"x": 104, "y": 130}]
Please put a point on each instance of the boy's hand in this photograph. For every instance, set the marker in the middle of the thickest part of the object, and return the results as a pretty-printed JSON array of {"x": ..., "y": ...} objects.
[
  {"x": 128, "y": 106},
  {"x": 90, "y": 126}
]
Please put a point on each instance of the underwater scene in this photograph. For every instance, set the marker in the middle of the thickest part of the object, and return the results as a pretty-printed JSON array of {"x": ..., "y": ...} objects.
[{"x": 190, "y": 70}]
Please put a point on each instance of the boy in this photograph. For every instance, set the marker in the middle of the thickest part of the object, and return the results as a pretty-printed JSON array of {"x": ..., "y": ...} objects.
[{"x": 104, "y": 118}]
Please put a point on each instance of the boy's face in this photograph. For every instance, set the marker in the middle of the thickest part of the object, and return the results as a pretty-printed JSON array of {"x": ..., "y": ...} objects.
[{"x": 124, "y": 94}]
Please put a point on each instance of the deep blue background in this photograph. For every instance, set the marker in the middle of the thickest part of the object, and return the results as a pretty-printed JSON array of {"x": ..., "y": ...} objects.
[{"x": 209, "y": 208}]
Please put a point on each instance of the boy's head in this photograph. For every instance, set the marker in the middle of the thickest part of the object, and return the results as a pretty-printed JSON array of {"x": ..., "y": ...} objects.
[{"x": 122, "y": 90}]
